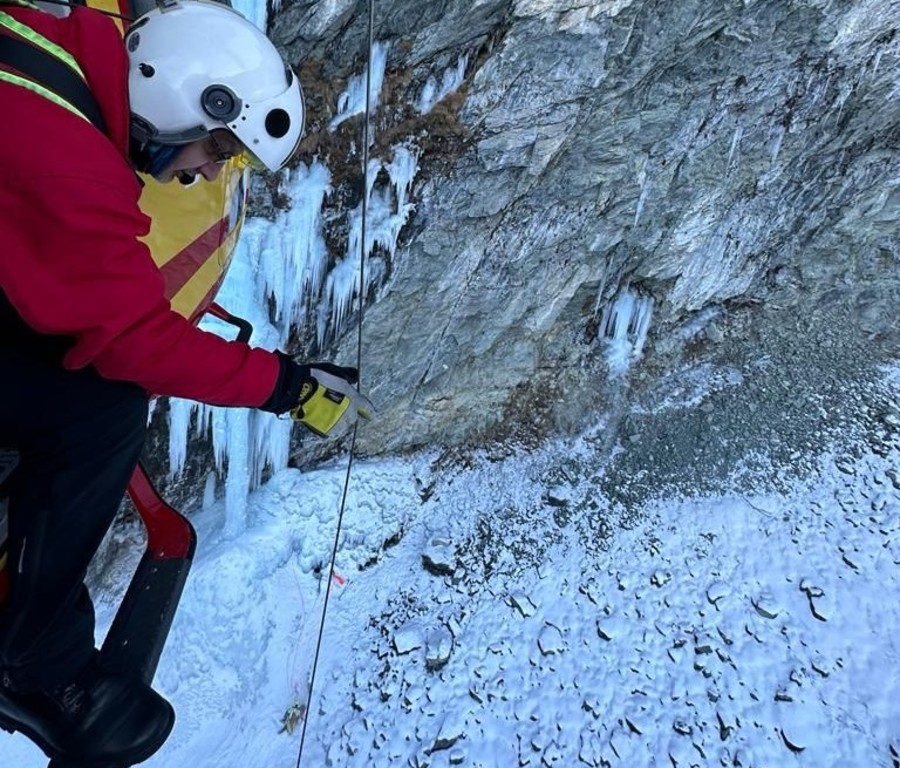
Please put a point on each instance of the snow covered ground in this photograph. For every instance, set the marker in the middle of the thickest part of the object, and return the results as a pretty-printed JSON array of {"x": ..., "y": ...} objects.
[{"x": 493, "y": 611}]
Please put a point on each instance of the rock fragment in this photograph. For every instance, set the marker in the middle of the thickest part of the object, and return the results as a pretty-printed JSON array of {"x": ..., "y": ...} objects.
[
  {"x": 822, "y": 607},
  {"x": 717, "y": 591},
  {"x": 450, "y": 732},
  {"x": 660, "y": 578},
  {"x": 439, "y": 557},
  {"x": 523, "y": 603},
  {"x": 766, "y": 605},
  {"x": 551, "y": 640},
  {"x": 438, "y": 646},
  {"x": 408, "y": 637}
]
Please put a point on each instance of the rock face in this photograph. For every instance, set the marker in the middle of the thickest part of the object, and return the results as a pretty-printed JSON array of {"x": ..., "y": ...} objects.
[{"x": 697, "y": 157}]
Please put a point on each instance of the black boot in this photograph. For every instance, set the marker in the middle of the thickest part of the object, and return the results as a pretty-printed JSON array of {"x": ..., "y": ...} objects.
[{"x": 99, "y": 719}]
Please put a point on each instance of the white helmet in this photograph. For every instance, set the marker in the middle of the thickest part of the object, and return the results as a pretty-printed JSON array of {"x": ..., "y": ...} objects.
[{"x": 198, "y": 65}]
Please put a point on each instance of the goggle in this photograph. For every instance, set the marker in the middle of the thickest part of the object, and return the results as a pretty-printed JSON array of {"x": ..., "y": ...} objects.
[{"x": 242, "y": 157}]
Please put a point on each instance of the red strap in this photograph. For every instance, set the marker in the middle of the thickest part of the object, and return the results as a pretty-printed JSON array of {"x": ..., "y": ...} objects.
[{"x": 169, "y": 534}]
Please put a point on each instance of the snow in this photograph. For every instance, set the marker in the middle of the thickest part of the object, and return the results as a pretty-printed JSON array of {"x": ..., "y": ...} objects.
[{"x": 723, "y": 630}]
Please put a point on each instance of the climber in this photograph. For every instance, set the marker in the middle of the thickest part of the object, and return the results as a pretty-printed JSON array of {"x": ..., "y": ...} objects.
[{"x": 86, "y": 331}]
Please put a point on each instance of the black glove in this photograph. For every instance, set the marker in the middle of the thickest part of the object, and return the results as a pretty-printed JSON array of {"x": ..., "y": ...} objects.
[{"x": 321, "y": 396}]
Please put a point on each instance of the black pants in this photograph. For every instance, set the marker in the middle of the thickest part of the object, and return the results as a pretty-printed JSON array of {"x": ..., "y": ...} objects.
[{"x": 79, "y": 438}]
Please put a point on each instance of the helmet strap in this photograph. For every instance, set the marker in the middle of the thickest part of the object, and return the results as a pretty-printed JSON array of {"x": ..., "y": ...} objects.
[{"x": 143, "y": 132}]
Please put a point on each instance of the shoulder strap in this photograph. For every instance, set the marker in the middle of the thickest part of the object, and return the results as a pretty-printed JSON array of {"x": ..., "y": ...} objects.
[{"x": 27, "y": 54}]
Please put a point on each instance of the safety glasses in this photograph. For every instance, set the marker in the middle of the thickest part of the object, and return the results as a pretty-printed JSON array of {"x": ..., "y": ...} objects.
[{"x": 225, "y": 147}]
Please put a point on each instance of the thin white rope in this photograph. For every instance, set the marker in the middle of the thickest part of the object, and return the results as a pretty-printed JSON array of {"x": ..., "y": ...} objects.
[{"x": 329, "y": 576}]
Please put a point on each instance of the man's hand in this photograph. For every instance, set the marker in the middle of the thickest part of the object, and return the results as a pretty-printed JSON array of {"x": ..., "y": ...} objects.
[
  {"x": 327, "y": 398},
  {"x": 321, "y": 396}
]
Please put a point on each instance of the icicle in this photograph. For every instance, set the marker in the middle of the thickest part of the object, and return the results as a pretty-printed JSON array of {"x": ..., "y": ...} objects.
[
  {"x": 427, "y": 98},
  {"x": 640, "y": 204},
  {"x": 450, "y": 81},
  {"x": 776, "y": 144},
  {"x": 293, "y": 254},
  {"x": 601, "y": 288},
  {"x": 244, "y": 441},
  {"x": 237, "y": 482},
  {"x": 272, "y": 442},
  {"x": 353, "y": 101},
  {"x": 844, "y": 93},
  {"x": 179, "y": 420},
  {"x": 209, "y": 490},
  {"x": 402, "y": 170},
  {"x": 642, "y": 186},
  {"x": 343, "y": 280},
  {"x": 877, "y": 63},
  {"x": 735, "y": 143},
  {"x": 625, "y": 323},
  {"x": 388, "y": 210}
]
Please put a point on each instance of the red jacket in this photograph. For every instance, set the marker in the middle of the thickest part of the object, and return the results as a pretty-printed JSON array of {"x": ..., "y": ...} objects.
[{"x": 71, "y": 263}]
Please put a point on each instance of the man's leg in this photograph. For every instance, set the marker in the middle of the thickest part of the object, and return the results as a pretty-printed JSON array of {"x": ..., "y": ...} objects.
[{"x": 79, "y": 438}]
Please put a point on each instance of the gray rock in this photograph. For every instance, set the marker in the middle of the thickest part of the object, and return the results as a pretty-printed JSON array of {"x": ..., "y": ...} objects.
[
  {"x": 551, "y": 640},
  {"x": 732, "y": 160},
  {"x": 409, "y": 637},
  {"x": 707, "y": 155},
  {"x": 438, "y": 647},
  {"x": 439, "y": 557},
  {"x": 612, "y": 627},
  {"x": 766, "y": 605},
  {"x": 449, "y": 733},
  {"x": 717, "y": 592},
  {"x": 523, "y": 604}
]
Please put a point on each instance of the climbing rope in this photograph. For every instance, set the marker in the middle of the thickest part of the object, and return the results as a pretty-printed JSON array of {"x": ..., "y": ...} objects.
[{"x": 362, "y": 282}]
